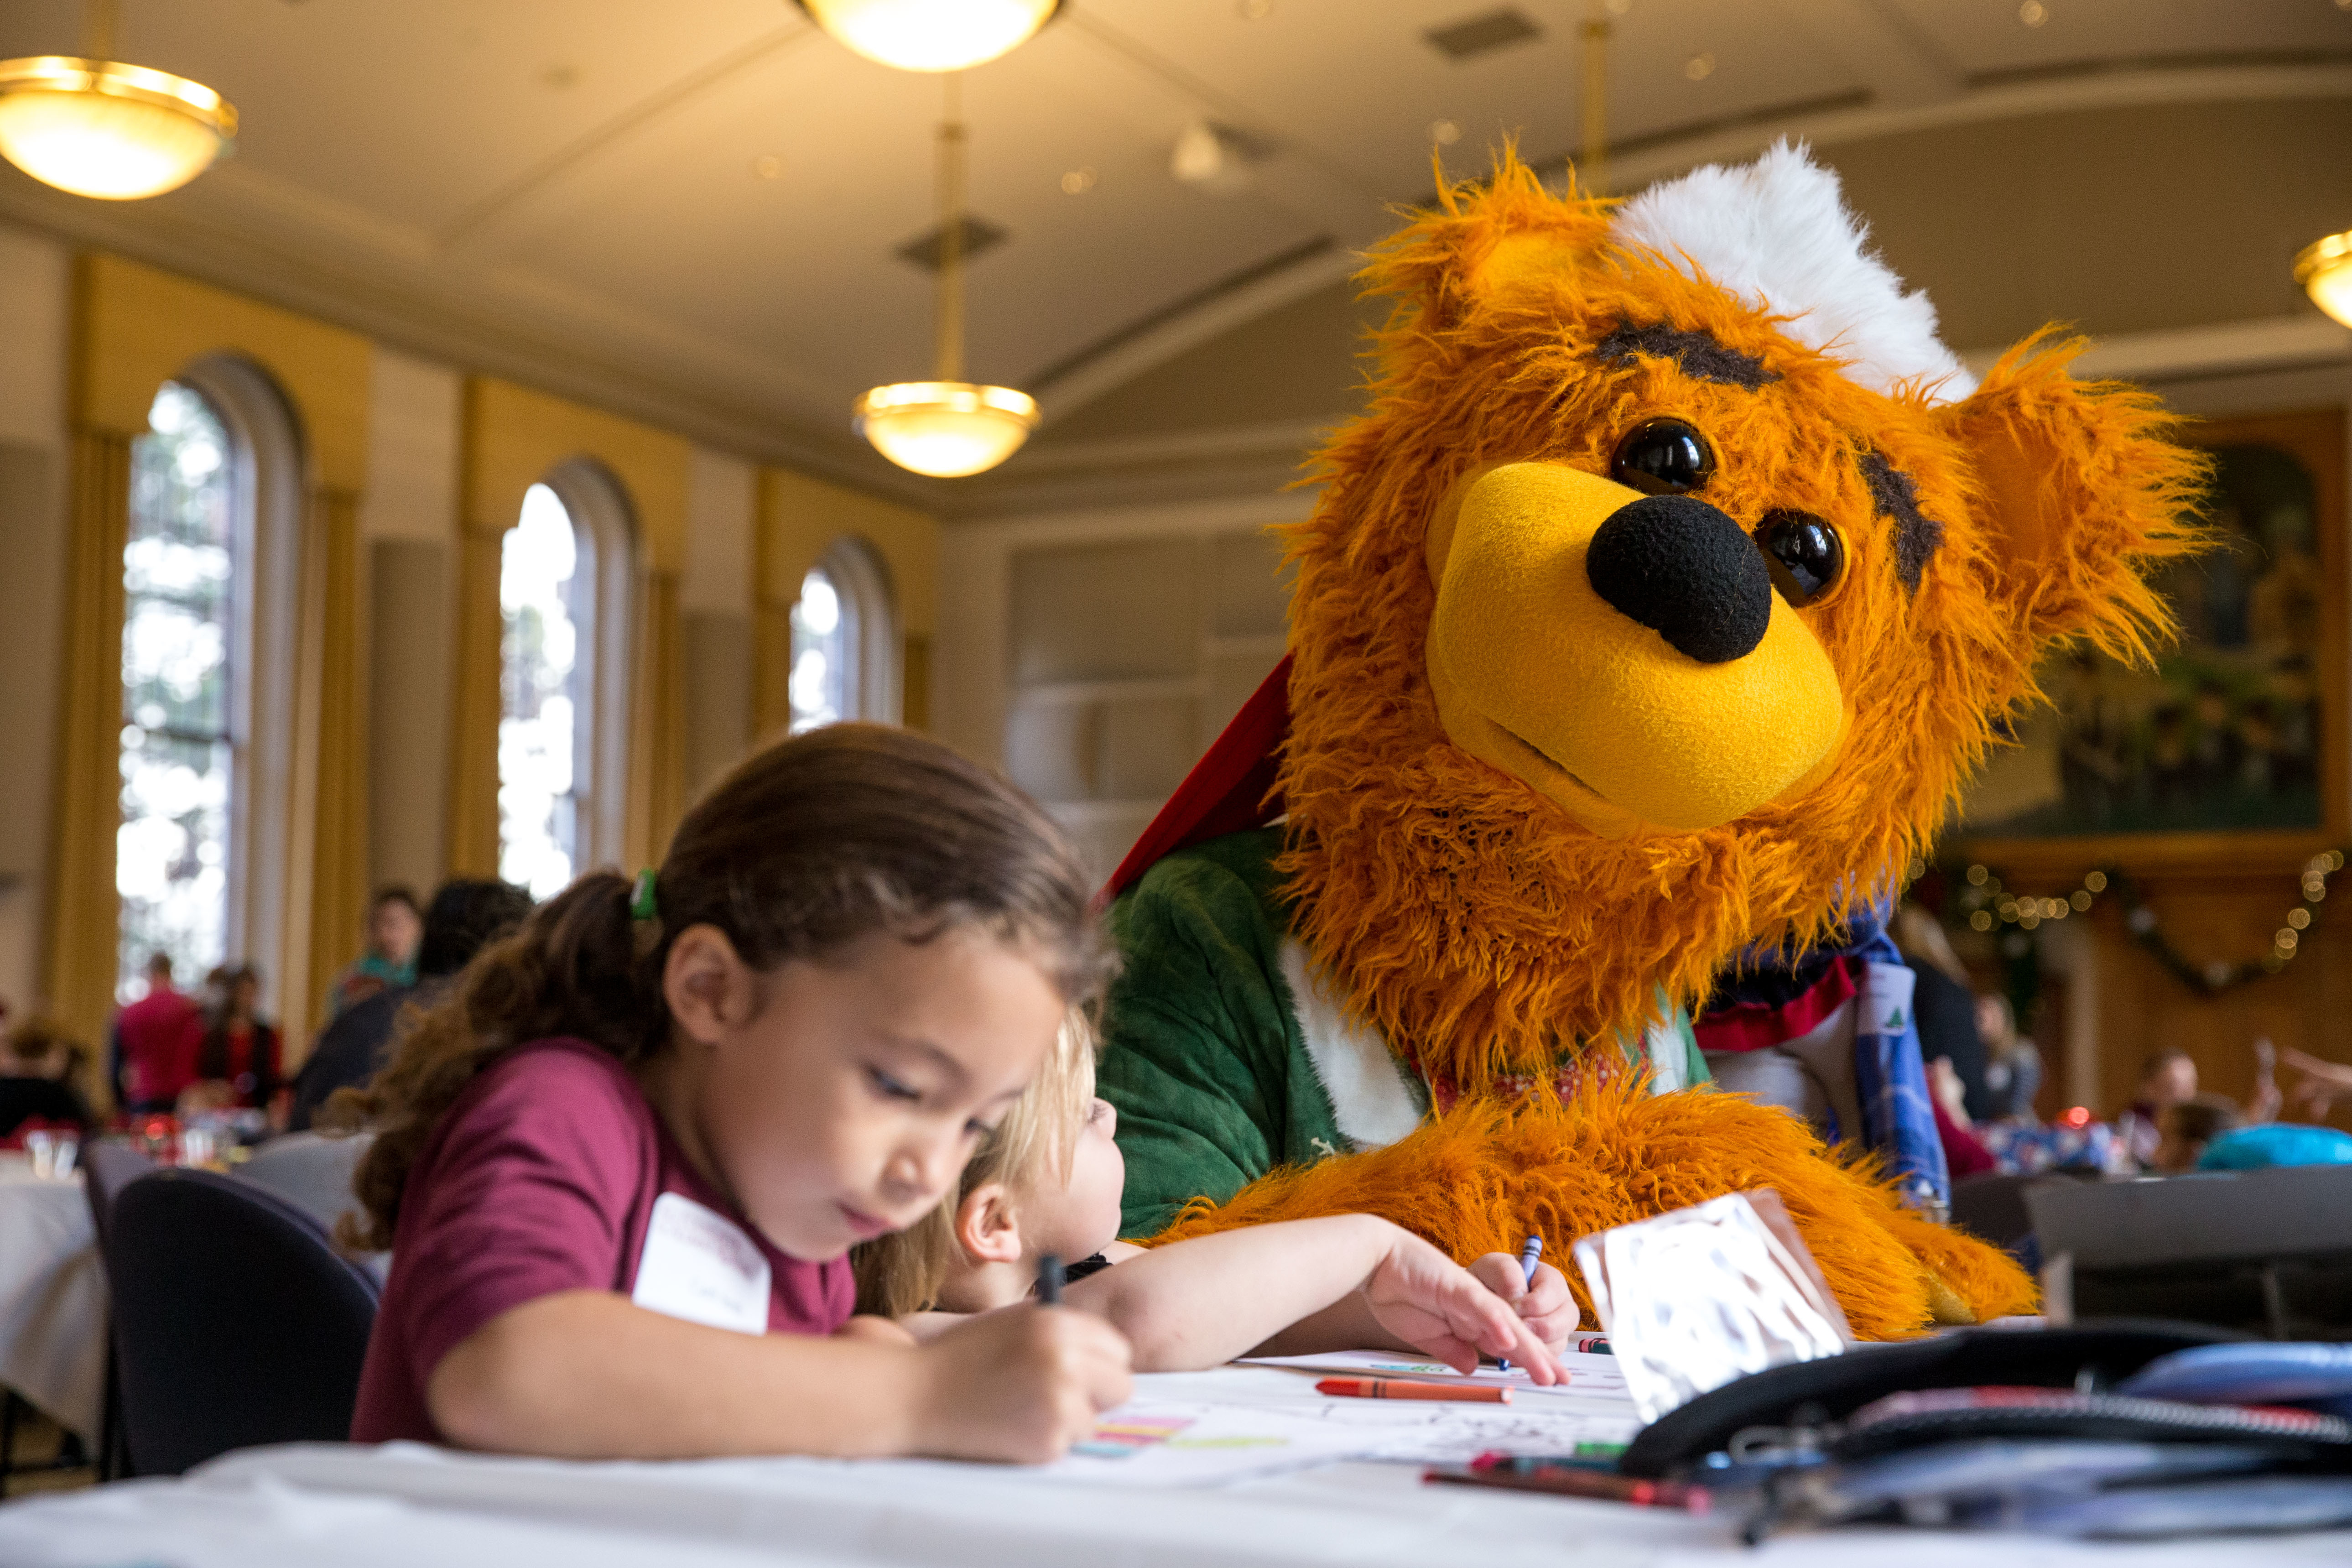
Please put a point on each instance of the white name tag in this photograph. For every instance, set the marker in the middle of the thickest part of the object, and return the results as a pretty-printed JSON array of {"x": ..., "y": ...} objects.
[{"x": 699, "y": 1266}]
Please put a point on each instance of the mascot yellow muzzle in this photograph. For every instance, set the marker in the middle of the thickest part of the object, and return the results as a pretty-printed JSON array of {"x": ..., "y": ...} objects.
[{"x": 1625, "y": 656}]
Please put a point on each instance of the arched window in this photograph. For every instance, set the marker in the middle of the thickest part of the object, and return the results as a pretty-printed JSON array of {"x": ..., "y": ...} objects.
[
  {"x": 845, "y": 641},
  {"x": 542, "y": 725},
  {"x": 173, "y": 852}
]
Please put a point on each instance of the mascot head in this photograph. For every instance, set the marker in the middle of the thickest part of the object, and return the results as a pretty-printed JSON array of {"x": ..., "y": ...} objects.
[{"x": 1665, "y": 596}]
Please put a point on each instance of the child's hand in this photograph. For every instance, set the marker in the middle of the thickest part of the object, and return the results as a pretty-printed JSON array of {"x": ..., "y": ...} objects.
[
  {"x": 1440, "y": 1307},
  {"x": 1542, "y": 1303},
  {"x": 1023, "y": 1383}
]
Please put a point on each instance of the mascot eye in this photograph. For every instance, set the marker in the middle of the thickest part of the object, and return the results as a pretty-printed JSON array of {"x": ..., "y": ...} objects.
[
  {"x": 1663, "y": 458},
  {"x": 1804, "y": 553}
]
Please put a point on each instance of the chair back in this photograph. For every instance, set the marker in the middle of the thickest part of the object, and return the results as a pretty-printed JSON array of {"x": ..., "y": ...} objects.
[
  {"x": 106, "y": 1170},
  {"x": 236, "y": 1322}
]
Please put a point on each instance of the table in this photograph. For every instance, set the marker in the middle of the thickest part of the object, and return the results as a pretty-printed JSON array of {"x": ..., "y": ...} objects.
[
  {"x": 52, "y": 1296},
  {"x": 307, "y": 1505}
]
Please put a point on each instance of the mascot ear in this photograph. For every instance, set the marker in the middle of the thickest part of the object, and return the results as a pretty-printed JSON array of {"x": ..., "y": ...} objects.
[{"x": 2081, "y": 494}]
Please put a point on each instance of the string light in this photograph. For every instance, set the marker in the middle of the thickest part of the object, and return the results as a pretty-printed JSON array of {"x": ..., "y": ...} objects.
[{"x": 1989, "y": 903}]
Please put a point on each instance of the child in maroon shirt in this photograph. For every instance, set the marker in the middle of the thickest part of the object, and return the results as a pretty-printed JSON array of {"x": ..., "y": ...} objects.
[{"x": 620, "y": 1167}]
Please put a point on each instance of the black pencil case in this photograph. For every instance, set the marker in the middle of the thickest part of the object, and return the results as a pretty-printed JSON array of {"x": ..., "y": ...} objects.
[{"x": 2085, "y": 1357}]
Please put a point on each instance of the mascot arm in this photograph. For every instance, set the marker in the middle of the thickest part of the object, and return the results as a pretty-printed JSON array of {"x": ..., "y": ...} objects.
[{"x": 1202, "y": 1055}]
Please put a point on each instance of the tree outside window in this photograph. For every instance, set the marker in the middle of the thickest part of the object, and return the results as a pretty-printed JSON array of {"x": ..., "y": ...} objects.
[
  {"x": 542, "y": 674},
  {"x": 178, "y": 761}
]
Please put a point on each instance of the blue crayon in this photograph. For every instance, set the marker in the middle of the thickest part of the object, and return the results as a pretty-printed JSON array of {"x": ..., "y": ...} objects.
[{"x": 1527, "y": 1256}]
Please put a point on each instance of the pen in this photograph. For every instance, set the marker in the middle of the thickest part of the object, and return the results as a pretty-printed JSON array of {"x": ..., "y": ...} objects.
[
  {"x": 1527, "y": 1256},
  {"x": 1049, "y": 1280},
  {"x": 1400, "y": 1388}
]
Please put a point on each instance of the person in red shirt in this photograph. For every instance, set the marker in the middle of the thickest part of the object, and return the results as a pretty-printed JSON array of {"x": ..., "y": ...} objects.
[
  {"x": 148, "y": 1057},
  {"x": 619, "y": 1167}
]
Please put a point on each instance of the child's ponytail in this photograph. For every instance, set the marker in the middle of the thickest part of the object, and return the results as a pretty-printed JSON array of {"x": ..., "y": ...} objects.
[{"x": 806, "y": 847}]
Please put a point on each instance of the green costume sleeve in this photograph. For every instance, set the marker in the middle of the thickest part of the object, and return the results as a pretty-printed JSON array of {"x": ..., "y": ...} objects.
[{"x": 1198, "y": 1050}]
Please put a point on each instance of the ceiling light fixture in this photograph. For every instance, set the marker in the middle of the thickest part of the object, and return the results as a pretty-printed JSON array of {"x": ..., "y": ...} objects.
[
  {"x": 932, "y": 35},
  {"x": 96, "y": 127},
  {"x": 948, "y": 427},
  {"x": 2324, "y": 267}
]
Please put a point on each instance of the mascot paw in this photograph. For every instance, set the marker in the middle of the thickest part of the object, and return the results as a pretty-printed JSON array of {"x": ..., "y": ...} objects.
[{"x": 1480, "y": 1178}]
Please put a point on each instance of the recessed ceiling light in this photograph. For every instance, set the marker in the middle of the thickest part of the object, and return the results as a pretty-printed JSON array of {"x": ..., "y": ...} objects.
[
  {"x": 1078, "y": 182},
  {"x": 1476, "y": 36},
  {"x": 1444, "y": 132},
  {"x": 768, "y": 167},
  {"x": 1698, "y": 68},
  {"x": 2033, "y": 13}
]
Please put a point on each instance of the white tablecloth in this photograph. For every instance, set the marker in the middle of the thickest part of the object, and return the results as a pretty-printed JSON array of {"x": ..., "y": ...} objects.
[
  {"x": 310, "y": 1505},
  {"x": 52, "y": 1296}
]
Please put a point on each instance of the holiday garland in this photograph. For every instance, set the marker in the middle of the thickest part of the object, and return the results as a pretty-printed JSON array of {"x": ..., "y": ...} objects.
[{"x": 1986, "y": 903}]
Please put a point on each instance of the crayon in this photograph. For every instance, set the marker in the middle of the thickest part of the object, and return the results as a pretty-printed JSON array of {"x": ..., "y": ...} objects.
[
  {"x": 1049, "y": 1280},
  {"x": 1401, "y": 1388},
  {"x": 1527, "y": 1256},
  {"x": 1568, "y": 1481}
]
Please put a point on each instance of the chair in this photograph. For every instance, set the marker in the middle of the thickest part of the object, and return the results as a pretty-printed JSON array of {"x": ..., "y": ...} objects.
[
  {"x": 106, "y": 1170},
  {"x": 235, "y": 1322}
]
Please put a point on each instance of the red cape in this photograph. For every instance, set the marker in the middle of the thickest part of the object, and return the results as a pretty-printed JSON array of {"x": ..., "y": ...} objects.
[{"x": 1231, "y": 788}]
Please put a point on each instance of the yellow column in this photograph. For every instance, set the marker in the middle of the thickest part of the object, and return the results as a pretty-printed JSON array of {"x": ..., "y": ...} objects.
[
  {"x": 339, "y": 856},
  {"x": 657, "y": 798},
  {"x": 474, "y": 707},
  {"x": 85, "y": 915}
]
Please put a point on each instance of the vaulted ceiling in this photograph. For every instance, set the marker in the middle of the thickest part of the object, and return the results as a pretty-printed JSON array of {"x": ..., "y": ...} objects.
[{"x": 693, "y": 211}]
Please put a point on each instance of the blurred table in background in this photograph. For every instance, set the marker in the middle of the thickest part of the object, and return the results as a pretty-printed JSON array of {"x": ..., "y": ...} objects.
[{"x": 52, "y": 1296}]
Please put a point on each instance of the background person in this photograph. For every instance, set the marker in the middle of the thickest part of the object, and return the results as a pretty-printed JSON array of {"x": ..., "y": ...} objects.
[
  {"x": 388, "y": 961},
  {"x": 2167, "y": 1078},
  {"x": 147, "y": 1048},
  {"x": 38, "y": 1067},
  {"x": 2012, "y": 1071},
  {"x": 466, "y": 915},
  {"x": 234, "y": 1054}
]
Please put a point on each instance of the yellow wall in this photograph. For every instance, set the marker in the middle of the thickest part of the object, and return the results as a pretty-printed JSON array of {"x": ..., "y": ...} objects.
[{"x": 799, "y": 518}]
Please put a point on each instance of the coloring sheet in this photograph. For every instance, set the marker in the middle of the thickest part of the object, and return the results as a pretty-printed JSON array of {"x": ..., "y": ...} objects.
[
  {"x": 1174, "y": 1444},
  {"x": 1589, "y": 1376}
]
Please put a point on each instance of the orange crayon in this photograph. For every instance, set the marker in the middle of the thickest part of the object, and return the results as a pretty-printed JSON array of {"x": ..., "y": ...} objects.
[{"x": 1398, "y": 1388}]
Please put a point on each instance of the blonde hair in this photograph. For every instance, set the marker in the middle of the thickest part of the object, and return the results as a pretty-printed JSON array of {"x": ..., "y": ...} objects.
[{"x": 904, "y": 1271}]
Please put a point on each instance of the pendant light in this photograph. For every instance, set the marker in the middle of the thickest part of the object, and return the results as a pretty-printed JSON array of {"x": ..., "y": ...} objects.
[
  {"x": 2325, "y": 270},
  {"x": 948, "y": 427},
  {"x": 94, "y": 126},
  {"x": 932, "y": 35}
]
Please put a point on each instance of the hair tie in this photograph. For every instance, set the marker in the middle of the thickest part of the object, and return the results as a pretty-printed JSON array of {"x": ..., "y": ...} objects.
[{"x": 640, "y": 898}]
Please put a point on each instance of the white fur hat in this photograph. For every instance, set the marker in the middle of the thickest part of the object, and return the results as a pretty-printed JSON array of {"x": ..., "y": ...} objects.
[{"x": 1776, "y": 234}]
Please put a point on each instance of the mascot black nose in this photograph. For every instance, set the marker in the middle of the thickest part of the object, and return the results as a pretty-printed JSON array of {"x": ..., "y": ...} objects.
[{"x": 1685, "y": 571}]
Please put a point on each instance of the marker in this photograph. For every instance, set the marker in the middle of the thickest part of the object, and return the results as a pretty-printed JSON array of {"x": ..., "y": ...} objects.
[
  {"x": 1535, "y": 1476},
  {"x": 1400, "y": 1388},
  {"x": 1049, "y": 1280},
  {"x": 1527, "y": 1256}
]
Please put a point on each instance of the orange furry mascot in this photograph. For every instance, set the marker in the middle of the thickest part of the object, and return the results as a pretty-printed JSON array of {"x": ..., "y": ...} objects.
[{"x": 1658, "y": 605}]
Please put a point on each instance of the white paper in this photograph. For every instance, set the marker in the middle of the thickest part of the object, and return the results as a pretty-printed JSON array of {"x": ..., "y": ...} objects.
[{"x": 1185, "y": 1444}]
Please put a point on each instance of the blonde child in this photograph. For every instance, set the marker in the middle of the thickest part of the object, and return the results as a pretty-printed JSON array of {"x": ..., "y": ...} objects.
[
  {"x": 619, "y": 1169},
  {"x": 1048, "y": 1181}
]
